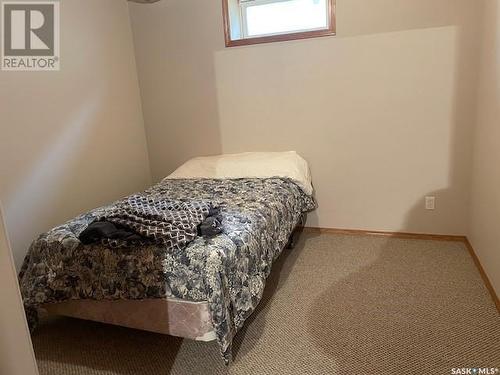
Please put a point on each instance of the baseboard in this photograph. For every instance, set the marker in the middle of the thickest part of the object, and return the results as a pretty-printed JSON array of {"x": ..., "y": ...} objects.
[
  {"x": 419, "y": 236},
  {"x": 485, "y": 278},
  {"x": 416, "y": 236}
]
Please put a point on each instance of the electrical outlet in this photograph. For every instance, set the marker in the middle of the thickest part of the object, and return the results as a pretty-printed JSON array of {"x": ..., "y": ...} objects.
[{"x": 430, "y": 203}]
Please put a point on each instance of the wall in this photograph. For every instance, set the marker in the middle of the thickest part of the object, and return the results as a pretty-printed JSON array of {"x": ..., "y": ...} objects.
[
  {"x": 383, "y": 111},
  {"x": 16, "y": 351},
  {"x": 484, "y": 234},
  {"x": 82, "y": 141}
]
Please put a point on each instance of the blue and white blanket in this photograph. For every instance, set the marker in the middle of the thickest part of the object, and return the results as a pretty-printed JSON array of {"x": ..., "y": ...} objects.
[{"x": 228, "y": 270}]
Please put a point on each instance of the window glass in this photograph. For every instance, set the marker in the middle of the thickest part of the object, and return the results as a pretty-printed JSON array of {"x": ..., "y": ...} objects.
[{"x": 285, "y": 16}]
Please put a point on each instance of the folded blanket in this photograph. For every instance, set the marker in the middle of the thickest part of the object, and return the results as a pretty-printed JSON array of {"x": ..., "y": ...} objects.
[{"x": 142, "y": 219}]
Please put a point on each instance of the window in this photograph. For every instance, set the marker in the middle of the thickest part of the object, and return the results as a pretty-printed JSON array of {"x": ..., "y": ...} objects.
[{"x": 263, "y": 21}]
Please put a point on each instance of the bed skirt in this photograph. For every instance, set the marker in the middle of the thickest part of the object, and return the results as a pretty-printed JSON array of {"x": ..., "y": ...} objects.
[{"x": 170, "y": 316}]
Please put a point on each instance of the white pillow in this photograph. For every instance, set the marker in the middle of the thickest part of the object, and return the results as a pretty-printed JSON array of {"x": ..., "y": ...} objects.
[{"x": 249, "y": 165}]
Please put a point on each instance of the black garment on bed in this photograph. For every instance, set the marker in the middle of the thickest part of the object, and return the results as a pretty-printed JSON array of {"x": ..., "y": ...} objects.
[
  {"x": 99, "y": 230},
  {"x": 212, "y": 225}
]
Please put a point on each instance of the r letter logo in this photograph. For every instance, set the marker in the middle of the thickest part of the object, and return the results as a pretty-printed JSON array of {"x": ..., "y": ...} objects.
[{"x": 30, "y": 35}]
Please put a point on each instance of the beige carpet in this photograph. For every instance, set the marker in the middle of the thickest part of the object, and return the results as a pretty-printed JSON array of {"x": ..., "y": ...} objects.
[{"x": 336, "y": 304}]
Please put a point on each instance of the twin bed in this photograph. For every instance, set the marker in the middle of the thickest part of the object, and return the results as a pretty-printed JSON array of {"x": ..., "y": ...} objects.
[{"x": 202, "y": 288}]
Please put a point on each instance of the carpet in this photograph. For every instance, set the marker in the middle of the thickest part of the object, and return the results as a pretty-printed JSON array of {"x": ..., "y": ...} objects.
[{"x": 336, "y": 304}]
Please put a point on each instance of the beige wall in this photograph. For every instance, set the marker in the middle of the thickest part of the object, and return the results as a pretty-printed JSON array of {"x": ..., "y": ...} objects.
[
  {"x": 16, "y": 351},
  {"x": 383, "y": 112},
  {"x": 485, "y": 233},
  {"x": 74, "y": 139}
]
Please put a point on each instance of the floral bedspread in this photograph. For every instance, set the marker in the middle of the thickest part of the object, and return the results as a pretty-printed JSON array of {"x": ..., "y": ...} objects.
[{"x": 228, "y": 270}]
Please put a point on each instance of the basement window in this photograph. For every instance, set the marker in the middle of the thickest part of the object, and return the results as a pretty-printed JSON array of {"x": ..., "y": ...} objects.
[{"x": 265, "y": 21}]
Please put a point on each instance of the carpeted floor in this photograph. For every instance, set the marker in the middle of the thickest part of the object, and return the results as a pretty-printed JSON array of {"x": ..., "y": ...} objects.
[{"x": 336, "y": 304}]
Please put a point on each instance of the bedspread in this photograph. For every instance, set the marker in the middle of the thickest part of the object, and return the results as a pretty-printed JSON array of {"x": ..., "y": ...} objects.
[{"x": 228, "y": 270}]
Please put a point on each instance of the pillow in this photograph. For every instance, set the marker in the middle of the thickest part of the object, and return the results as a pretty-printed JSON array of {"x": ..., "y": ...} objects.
[{"x": 249, "y": 165}]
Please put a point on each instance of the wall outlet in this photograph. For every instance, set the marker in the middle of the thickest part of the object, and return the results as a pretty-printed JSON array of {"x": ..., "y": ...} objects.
[{"x": 430, "y": 203}]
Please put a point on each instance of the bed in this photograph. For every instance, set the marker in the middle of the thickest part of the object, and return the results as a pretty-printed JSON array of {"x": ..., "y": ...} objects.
[{"x": 204, "y": 290}]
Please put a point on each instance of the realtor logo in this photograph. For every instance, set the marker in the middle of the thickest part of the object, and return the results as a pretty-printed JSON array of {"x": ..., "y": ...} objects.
[{"x": 30, "y": 35}]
